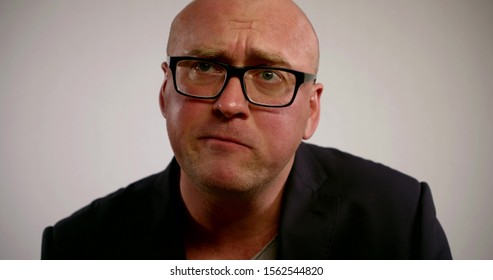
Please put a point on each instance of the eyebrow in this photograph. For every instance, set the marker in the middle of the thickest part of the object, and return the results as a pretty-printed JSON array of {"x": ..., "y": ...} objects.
[{"x": 255, "y": 55}]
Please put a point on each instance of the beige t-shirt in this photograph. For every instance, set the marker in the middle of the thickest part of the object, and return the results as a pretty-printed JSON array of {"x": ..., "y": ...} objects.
[{"x": 269, "y": 252}]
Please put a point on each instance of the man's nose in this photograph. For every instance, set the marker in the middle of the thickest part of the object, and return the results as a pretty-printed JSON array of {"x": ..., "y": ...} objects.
[{"x": 232, "y": 102}]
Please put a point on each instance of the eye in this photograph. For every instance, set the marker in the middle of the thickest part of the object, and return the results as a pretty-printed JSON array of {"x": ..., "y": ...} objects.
[
  {"x": 206, "y": 68},
  {"x": 203, "y": 66},
  {"x": 267, "y": 75}
]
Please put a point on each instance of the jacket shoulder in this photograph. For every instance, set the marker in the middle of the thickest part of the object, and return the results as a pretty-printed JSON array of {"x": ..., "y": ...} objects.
[
  {"x": 367, "y": 186},
  {"x": 382, "y": 213},
  {"x": 342, "y": 167},
  {"x": 98, "y": 228}
]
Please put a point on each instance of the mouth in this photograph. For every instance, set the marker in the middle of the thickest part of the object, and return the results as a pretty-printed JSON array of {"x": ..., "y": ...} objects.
[{"x": 224, "y": 141}]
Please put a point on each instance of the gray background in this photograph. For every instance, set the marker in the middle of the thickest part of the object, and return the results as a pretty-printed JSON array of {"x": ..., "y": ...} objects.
[{"x": 408, "y": 84}]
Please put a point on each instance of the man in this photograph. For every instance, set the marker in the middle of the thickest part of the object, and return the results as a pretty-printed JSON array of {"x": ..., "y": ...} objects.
[{"x": 239, "y": 97}]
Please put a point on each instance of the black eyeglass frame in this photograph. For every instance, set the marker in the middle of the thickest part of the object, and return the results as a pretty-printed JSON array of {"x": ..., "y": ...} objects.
[{"x": 239, "y": 72}]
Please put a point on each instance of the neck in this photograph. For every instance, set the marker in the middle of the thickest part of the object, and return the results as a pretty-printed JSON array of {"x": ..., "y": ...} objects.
[{"x": 230, "y": 225}]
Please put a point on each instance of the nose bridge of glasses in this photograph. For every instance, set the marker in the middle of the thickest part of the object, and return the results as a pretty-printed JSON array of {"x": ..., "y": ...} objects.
[
  {"x": 232, "y": 99},
  {"x": 235, "y": 72}
]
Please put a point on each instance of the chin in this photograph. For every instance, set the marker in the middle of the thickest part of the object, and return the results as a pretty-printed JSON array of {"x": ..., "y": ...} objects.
[
  {"x": 227, "y": 183},
  {"x": 233, "y": 186},
  {"x": 226, "y": 176}
]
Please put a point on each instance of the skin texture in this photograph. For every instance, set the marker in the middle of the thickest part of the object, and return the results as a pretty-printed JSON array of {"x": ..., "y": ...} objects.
[{"x": 234, "y": 156}]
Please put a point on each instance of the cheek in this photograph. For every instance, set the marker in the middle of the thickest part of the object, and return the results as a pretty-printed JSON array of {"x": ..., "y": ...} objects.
[
  {"x": 175, "y": 107},
  {"x": 184, "y": 117},
  {"x": 173, "y": 104},
  {"x": 283, "y": 130},
  {"x": 177, "y": 116}
]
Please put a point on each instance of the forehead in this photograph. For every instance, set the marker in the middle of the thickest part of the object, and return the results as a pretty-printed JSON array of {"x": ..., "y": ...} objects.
[{"x": 241, "y": 33}]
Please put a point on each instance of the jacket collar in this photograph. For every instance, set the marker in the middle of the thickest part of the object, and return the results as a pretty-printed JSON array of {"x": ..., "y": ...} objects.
[
  {"x": 167, "y": 231},
  {"x": 309, "y": 211}
]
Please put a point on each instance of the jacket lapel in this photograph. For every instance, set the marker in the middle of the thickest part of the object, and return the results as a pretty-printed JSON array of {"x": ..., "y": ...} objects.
[{"x": 309, "y": 212}]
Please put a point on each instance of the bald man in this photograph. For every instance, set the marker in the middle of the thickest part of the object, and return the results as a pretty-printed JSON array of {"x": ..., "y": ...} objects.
[{"x": 239, "y": 97}]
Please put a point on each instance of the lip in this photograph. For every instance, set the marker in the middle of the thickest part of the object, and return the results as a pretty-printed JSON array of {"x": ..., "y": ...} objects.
[{"x": 225, "y": 140}]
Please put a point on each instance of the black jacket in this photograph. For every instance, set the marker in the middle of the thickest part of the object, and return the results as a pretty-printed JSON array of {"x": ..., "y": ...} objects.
[{"x": 335, "y": 206}]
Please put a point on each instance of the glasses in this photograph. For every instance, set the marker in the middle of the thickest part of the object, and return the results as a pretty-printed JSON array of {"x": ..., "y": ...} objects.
[{"x": 261, "y": 85}]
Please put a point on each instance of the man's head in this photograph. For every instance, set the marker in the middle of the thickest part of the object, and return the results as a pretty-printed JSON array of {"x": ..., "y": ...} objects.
[{"x": 228, "y": 144}]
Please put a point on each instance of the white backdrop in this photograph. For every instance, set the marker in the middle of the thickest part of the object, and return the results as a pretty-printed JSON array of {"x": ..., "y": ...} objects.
[{"x": 408, "y": 84}]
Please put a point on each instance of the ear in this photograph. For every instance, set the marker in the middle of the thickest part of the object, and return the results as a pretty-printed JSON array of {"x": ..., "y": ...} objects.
[
  {"x": 162, "y": 101},
  {"x": 314, "y": 117}
]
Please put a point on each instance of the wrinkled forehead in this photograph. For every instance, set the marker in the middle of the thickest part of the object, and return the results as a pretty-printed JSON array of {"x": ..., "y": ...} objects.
[{"x": 264, "y": 30}]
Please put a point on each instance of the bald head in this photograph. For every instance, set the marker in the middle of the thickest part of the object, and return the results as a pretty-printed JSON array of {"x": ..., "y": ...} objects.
[{"x": 232, "y": 28}]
